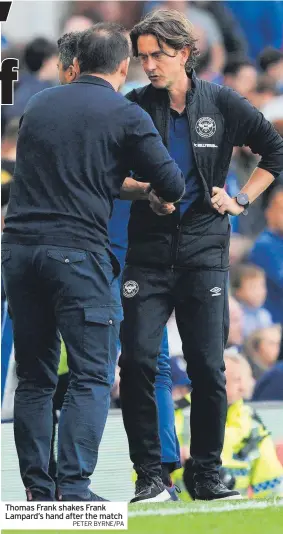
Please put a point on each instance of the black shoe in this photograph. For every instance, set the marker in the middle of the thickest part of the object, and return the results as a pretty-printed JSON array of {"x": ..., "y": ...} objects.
[
  {"x": 150, "y": 490},
  {"x": 89, "y": 496},
  {"x": 188, "y": 478},
  {"x": 209, "y": 489}
]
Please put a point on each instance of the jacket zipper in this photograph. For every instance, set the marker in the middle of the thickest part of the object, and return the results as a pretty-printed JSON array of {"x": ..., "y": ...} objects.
[{"x": 174, "y": 247}]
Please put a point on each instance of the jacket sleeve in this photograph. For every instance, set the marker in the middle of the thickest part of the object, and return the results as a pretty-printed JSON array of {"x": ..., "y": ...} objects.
[
  {"x": 147, "y": 156},
  {"x": 247, "y": 126}
]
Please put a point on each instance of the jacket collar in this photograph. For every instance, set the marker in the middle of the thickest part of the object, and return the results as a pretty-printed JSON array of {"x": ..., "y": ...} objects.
[{"x": 94, "y": 80}]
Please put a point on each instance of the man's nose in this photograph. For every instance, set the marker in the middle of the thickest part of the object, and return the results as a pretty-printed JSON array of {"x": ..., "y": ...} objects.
[{"x": 151, "y": 65}]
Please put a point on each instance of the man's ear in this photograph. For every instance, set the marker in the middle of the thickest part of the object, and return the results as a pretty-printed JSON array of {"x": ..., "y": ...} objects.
[
  {"x": 76, "y": 66},
  {"x": 185, "y": 54},
  {"x": 73, "y": 75}
]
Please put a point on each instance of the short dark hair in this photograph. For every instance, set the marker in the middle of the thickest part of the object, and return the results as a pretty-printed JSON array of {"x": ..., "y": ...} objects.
[
  {"x": 269, "y": 56},
  {"x": 67, "y": 48},
  {"x": 233, "y": 66},
  {"x": 170, "y": 27},
  {"x": 102, "y": 48},
  {"x": 244, "y": 271},
  {"x": 37, "y": 51},
  {"x": 266, "y": 84}
]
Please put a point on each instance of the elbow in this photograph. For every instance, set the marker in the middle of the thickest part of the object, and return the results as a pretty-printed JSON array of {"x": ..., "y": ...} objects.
[{"x": 174, "y": 196}]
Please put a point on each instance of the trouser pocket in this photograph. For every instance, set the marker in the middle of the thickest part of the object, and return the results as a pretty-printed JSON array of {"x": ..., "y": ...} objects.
[{"x": 101, "y": 334}]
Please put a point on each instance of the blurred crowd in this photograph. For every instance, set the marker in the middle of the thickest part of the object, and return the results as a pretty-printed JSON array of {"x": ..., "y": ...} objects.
[{"x": 240, "y": 45}]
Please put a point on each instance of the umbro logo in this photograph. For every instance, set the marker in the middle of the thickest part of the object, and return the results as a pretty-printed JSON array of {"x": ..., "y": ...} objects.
[{"x": 216, "y": 291}]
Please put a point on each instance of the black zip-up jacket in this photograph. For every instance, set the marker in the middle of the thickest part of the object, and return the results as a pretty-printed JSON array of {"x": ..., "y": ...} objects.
[{"x": 219, "y": 119}]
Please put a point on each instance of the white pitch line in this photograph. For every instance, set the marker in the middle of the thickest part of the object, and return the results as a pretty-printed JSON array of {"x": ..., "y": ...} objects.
[{"x": 205, "y": 509}]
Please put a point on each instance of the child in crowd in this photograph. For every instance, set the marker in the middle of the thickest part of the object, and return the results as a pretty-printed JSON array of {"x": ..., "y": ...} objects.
[{"x": 249, "y": 288}]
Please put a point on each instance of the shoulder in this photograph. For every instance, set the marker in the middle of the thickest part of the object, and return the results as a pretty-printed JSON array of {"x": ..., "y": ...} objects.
[{"x": 49, "y": 94}]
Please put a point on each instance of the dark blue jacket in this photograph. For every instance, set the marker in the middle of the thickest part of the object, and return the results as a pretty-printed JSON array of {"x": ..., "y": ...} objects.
[
  {"x": 270, "y": 386},
  {"x": 76, "y": 145}
]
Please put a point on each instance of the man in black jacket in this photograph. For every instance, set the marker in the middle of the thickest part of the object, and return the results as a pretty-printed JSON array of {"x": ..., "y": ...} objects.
[
  {"x": 76, "y": 144},
  {"x": 180, "y": 261}
]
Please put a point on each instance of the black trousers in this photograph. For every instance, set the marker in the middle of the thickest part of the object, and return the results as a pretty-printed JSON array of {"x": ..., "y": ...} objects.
[{"x": 201, "y": 307}]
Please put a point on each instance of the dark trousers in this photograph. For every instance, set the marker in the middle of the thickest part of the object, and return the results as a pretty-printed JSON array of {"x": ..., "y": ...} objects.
[
  {"x": 51, "y": 289},
  {"x": 201, "y": 308}
]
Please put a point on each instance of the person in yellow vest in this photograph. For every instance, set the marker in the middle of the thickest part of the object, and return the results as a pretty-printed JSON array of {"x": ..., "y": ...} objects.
[
  {"x": 58, "y": 399},
  {"x": 250, "y": 462}
]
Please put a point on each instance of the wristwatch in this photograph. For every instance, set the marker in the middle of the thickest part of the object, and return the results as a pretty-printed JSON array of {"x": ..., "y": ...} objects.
[{"x": 243, "y": 200}]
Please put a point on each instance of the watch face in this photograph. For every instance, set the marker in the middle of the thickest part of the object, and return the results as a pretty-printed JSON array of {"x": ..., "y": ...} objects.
[{"x": 243, "y": 199}]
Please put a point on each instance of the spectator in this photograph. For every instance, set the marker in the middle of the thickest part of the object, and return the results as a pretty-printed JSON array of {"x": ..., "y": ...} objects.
[
  {"x": 270, "y": 386},
  {"x": 240, "y": 75},
  {"x": 270, "y": 61},
  {"x": 8, "y": 158},
  {"x": 273, "y": 110},
  {"x": 249, "y": 459},
  {"x": 262, "y": 349},
  {"x": 248, "y": 282},
  {"x": 261, "y": 23},
  {"x": 77, "y": 23},
  {"x": 235, "y": 338},
  {"x": 267, "y": 253},
  {"x": 40, "y": 59},
  {"x": 234, "y": 40},
  {"x": 248, "y": 453},
  {"x": 248, "y": 381},
  {"x": 180, "y": 381},
  {"x": 264, "y": 93}
]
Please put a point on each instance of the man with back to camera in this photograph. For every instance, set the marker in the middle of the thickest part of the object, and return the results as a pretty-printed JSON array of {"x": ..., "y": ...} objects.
[
  {"x": 68, "y": 72},
  {"x": 181, "y": 261},
  {"x": 76, "y": 144}
]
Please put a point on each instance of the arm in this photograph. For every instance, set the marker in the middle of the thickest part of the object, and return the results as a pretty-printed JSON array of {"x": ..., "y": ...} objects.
[
  {"x": 148, "y": 157},
  {"x": 133, "y": 190},
  {"x": 247, "y": 126}
]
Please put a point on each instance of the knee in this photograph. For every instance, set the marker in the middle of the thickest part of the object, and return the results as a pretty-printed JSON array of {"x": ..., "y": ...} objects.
[
  {"x": 208, "y": 376},
  {"x": 47, "y": 382},
  {"x": 136, "y": 364}
]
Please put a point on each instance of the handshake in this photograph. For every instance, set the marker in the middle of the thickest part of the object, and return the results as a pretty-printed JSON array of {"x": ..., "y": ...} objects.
[{"x": 160, "y": 206}]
